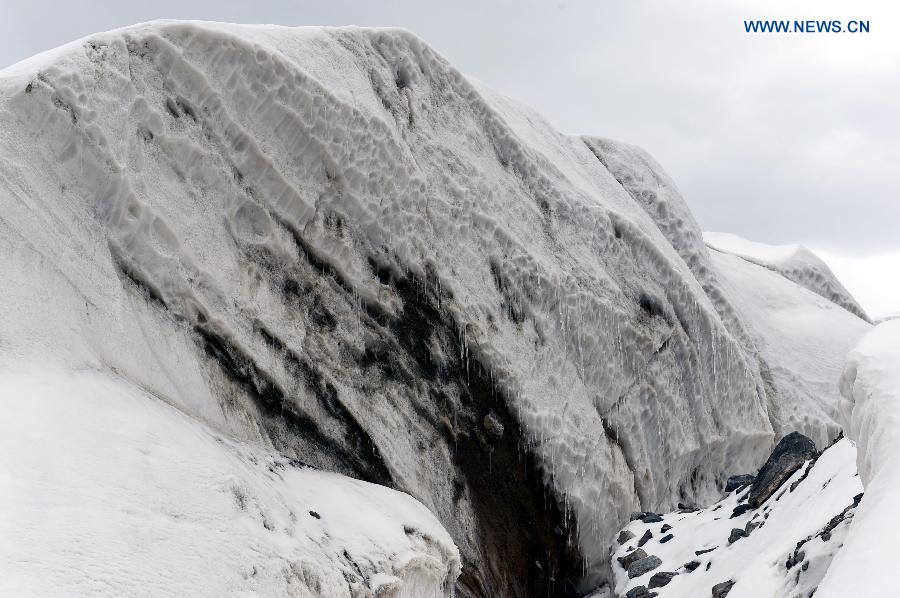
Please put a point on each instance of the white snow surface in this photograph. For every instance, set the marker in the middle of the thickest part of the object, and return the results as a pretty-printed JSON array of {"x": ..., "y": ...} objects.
[
  {"x": 203, "y": 161},
  {"x": 871, "y": 388},
  {"x": 108, "y": 491},
  {"x": 756, "y": 563},
  {"x": 793, "y": 261},
  {"x": 802, "y": 339}
]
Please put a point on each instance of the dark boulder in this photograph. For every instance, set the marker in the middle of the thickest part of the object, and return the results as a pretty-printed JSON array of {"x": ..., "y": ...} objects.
[
  {"x": 691, "y": 565},
  {"x": 640, "y": 592},
  {"x": 645, "y": 565},
  {"x": 637, "y": 515},
  {"x": 736, "y": 534},
  {"x": 660, "y": 579},
  {"x": 666, "y": 538},
  {"x": 736, "y": 482},
  {"x": 647, "y": 535},
  {"x": 720, "y": 590},
  {"x": 666, "y": 527},
  {"x": 740, "y": 510},
  {"x": 705, "y": 550},
  {"x": 651, "y": 518},
  {"x": 790, "y": 453},
  {"x": 631, "y": 557}
]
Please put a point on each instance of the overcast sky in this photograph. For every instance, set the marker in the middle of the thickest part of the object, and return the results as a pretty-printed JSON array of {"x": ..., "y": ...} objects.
[{"x": 779, "y": 138}]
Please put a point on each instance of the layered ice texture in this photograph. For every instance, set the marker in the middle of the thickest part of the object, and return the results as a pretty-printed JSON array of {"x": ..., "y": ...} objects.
[{"x": 329, "y": 245}]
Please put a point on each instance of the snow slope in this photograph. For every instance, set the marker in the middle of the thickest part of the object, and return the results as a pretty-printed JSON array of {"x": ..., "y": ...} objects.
[
  {"x": 802, "y": 339},
  {"x": 106, "y": 490},
  {"x": 795, "y": 262},
  {"x": 794, "y": 536},
  {"x": 871, "y": 387},
  {"x": 330, "y": 244}
]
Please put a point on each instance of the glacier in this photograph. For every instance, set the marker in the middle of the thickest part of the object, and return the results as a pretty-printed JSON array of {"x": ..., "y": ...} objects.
[{"x": 327, "y": 247}]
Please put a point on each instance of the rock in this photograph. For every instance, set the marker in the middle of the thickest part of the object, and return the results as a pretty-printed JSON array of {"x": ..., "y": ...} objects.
[
  {"x": 705, "y": 550},
  {"x": 691, "y": 565},
  {"x": 720, "y": 590},
  {"x": 736, "y": 534},
  {"x": 660, "y": 579},
  {"x": 651, "y": 518},
  {"x": 632, "y": 557},
  {"x": 640, "y": 592},
  {"x": 637, "y": 515},
  {"x": 666, "y": 527},
  {"x": 493, "y": 427},
  {"x": 624, "y": 536},
  {"x": 644, "y": 565},
  {"x": 791, "y": 452},
  {"x": 666, "y": 538},
  {"x": 647, "y": 535},
  {"x": 740, "y": 510},
  {"x": 736, "y": 482}
]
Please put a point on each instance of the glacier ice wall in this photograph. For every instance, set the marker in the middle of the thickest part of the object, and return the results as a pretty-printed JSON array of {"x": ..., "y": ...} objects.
[{"x": 331, "y": 243}]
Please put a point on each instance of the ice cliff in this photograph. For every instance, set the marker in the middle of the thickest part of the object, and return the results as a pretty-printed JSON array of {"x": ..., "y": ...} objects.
[{"x": 328, "y": 250}]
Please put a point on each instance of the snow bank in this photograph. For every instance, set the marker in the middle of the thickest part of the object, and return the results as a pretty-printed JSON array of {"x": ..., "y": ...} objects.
[
  {"x": 106, "y": 490},
  {"x": 871, "y": 388}
]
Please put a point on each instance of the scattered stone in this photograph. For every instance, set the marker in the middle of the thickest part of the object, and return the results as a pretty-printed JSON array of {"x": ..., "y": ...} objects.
[
  {"x": 720, "y": 590},
  {"x": 493, "y": 427},
  {"x": 736, "y": 534},
  {"x": 651, "y": 518},
  {"x": 705, "y": 550},
  {"x": 666, "y": 527},
  {"x": 645, "y": 565},
  {"x": 647, "y": 535},
  {"x": 637, "y": 515},
  {"x": 691, "y": 565},
  {"x": 666, "y": 538},
  {"x": 740, "y": 510},
  {"x": 624, "y": 536},
  {"x": 748, "y": 529},
  {"x": 736, "y": 482},
  {"x": 633, "y": 556},
  {"x": 640, "y": 592},
  {"x": 660, "y": 579},
  {"x": 314, "y": 514},
  {"x": 790, "y": 453}
]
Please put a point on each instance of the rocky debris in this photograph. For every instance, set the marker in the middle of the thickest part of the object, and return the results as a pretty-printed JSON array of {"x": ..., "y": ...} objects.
[
  {"x": 740, "y": 510},
  {"x": 705, "y": 550},
  {"x": 691, "y": 565},
  {"x": 640, "y": 592},
  {"x": 720, "y": 590},
  {"x": 661, "y": 579},
  {"x": 666, "y": 538},
  {"x": 652, "y": 518},
  {"x": 493, "y": 427},
  {"x": 666, "y": 527},
  {"x": 736, "y": 482},
  {"x": 624, "y": 536},
  {"x": 637, "y": 515},
  {"x": 645, "y": 565},
  {"x": 645, "y": 538},
  {"x": 686, "y": 508},
  {"x": 736, "y": 534},
  {"x": 632, "y": 557},
  {"x": 790, "y": 453}
]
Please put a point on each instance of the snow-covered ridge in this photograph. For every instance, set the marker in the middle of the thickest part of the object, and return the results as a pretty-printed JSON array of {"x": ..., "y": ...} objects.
[
  {"x": 329, "y": 243},
  {"x": 794, "y": 261}
]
